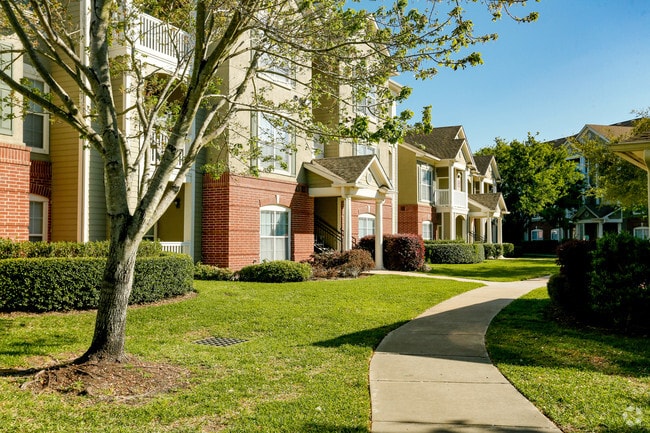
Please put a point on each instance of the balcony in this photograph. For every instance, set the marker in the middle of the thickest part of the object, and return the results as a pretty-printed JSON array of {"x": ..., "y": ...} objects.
[
  {"x": 158, "y": 44},
  {"x": 457, "y": 200},
  {"x": 176, "y": 247}
]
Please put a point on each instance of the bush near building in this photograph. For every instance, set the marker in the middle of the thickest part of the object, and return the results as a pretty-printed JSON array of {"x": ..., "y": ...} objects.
[
  {"x": 453, "y": 252},
  {"x": 606, "y": 282},
  {"x": 335, "y": 264},
  {"x": 40, "y": 284},
  {"x": 402, "y": 252},
  {"x": 277, "y": 271}
]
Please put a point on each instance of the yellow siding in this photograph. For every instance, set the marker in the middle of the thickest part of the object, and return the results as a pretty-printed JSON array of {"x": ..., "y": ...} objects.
[{"x": 408, "y": 182}]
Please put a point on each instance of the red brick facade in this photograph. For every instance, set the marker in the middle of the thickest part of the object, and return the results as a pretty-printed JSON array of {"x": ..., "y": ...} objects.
[
  {"x": 40, "y": 183},
  {"x": 14, "y": 192},
  {"x": 231, "y": 218},
  {"x": 368, "y": 207},
  {"x": 410, "y": 217}
]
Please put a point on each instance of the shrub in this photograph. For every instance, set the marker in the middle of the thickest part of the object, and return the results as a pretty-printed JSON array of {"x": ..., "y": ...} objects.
[
  {"x": 279, "y": 271},
  {"x": 61, "y": 284},
  {"x": 619, "y": 283},
  {"x": 209, "y": 272},
  {"x": 402, "y": 252},
  {"x": 454, "y": 252},
  {"x": 25, "y": 249},
  {"x": 508, "y": 250},
  {"x": 493, "y": 251},
  {"x": 570, "y": 290},
  {"x": 335, "y": 264}
]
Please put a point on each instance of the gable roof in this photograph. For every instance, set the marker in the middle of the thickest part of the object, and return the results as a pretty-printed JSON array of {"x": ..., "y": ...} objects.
[
  {"x": 483, "y": 162},
  {"x": 350, "y": 170},
  {"x": 609, "y": 132},
  {"x": 491, "y": 201},
  {"x": 444, "y": 142}
]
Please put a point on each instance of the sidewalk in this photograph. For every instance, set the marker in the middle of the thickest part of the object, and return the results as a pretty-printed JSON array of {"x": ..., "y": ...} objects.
[{"x": 433, "y": 374}]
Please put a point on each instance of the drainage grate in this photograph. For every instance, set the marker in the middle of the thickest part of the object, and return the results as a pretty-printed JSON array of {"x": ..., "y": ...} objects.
[{"x": 220, "y": 341}]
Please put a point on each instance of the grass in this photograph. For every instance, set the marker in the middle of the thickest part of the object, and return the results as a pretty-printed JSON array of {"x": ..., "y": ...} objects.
[
  {"x": 500, "y": 270},
  {"x": 585, "y": 380},
  {"x": 303, "y": 369}
]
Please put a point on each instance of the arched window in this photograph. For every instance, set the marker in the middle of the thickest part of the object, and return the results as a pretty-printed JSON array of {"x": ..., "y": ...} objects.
[
  {"x": 275, "y": 224},
  {"x": 366, "y": 225}
]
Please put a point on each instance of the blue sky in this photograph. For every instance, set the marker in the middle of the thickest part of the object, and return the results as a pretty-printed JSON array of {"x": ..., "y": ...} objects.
[{"x": 582, "y": 61}]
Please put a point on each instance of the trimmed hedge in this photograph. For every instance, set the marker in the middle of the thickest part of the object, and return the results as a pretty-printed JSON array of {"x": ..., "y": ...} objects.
[
  {"x": 25, "y": 249},
  {"x": 402, "y": 251},
  {"x": 454, "y": 252},
  {"x": 214, "y": 273},
  {"x": 62, "y": 284},
  {"x": 278, "y": 271}
]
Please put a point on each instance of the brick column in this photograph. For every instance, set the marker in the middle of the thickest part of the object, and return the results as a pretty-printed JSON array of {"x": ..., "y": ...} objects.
[{"x": 14, "y": 192}]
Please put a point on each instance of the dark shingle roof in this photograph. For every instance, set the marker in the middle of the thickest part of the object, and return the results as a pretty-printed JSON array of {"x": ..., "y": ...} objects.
[
  {"x": 489, "y": 200},
  {"x": 483, "y": 163},
  {"x": 441, "y": 142},
  {"x": 348, "y": 168}
]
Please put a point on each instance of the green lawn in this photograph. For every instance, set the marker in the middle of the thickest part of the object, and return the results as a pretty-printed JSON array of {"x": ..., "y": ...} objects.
[
  {"x": 500, "y": 270},
  {"x": 303, "y": 369},
  {"x": 585, "y": 380}
]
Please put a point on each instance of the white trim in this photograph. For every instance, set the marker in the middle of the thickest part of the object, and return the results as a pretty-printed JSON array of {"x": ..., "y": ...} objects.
[
  {"x": 30, "y": 74},
  {"x": 276, "y": 209},
  {"x": 33, "y": 198}
]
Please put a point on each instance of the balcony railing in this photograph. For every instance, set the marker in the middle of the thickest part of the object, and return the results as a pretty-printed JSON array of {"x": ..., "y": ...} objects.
[
  {"x": 458, "y": 198},
  {"x": 176, "y": 247},
  {"x": 161, "y": 39}
]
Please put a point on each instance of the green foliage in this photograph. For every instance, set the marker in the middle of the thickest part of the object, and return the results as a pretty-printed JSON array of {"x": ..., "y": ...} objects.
[
  {"x": 613, "y": 179},
  {"x": 25, "y": 249},
  {"x": 498, "y": 270},
  {"x": 278, "y": 271},
  {"x": 570, "y": 289},
  {"x": 620, "y": 281},
  {"x": 534, "y": 176},
  {"x": 336, "y": 264},
  {"x": 493, "y": 251},
  {"x": 508, "y": 249},
  {"x": 209, "y": 272},
  {"x": 61, "y": 284},
  {"x": 453, "y": 252},
  {"x": 402, "y": 251}
]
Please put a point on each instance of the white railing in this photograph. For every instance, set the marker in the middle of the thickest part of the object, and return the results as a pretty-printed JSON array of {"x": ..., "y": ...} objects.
[
  {"x": 176, "y": 247},
  {"x": 458, "y": 199},
  {"x": 160, "y": 38}
]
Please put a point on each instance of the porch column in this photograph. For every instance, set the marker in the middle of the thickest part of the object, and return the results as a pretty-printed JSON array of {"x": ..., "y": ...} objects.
[
  {"x": 452, "y": 226},
  {"x": 600, "y": 229},
  {"x": 499, "y": 230},
  {"x": 379, "y": 234},
  {"x": 488, "y": 240},
  {"x": 347, "y": 221}
]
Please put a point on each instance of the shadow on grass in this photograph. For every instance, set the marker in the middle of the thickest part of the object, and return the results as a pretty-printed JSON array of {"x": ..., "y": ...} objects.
[
  {"x": 525, "y": 334},
  {"x": 366, "y": 338},
  {"x": 327, "y": 428},
  {"x": 511, "y": 273}
]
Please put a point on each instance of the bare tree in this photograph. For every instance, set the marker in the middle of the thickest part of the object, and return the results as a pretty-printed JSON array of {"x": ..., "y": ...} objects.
[{"x": 180, "y": 110}]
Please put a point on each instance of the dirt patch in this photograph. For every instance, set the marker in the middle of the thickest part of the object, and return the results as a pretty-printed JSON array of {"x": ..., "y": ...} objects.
[{"x": 127, "y": 382}]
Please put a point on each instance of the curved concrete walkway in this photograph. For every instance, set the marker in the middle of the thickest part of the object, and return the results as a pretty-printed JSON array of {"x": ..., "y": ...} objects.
[{"x": 434, "y": 375}]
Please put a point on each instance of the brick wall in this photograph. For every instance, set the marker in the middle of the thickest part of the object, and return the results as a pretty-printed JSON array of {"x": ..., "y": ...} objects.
[
  {"x": 14, "y": 192},
  {"x": 410, "y": 218},
  {"x": 368, "y": 207},
  {"x": 231, "y": 218}
]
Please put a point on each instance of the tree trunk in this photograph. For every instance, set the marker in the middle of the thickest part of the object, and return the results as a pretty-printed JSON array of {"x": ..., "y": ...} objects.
[{"x": 110, "y": 324}]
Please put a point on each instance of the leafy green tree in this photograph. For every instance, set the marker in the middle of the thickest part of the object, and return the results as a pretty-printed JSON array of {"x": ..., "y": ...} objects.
[
  {"x": 359, "y": 49},
  {"x": 613, "y": 179},
  {"x": 535, "y": 176}
]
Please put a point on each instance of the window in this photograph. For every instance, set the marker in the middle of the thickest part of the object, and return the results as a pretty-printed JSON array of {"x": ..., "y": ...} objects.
[
  {"x": 275, "y": 145},
  {"x": 364, "y": 148},
  {"x": 36, "y": 121},
  {"x": 425, "y": 183},
  {"x": 366, "y": 225},
  {"x": 37, "y": 218},
  {"x": 555, "y": 234},
  {"x": 537, "y": 235},
  {"x": 280, "y": 70},
  {"x": 427, "y": 230},
  {"x": 318, "y": 147},
  {"x": 274, "y": 233},
  {"x": 6, "y": 110},
  {"x": 367, "y": 105},
  {"x": 642, "y": 232}
]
